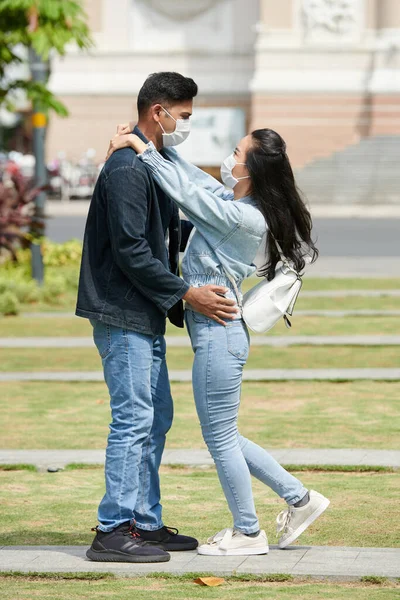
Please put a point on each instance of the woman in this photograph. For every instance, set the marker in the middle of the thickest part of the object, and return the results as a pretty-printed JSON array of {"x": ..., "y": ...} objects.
[{"x": 229, "y": 229}]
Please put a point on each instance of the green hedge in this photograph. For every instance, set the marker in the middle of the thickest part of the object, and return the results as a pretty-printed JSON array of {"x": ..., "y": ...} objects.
[{"x": 17, "y": 287}]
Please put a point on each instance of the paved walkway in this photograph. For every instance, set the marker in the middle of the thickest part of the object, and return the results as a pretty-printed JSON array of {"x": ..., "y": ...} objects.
[
  {"x": 352, "y": 267},
  {"x": 248, "y": 375},
  {"x": 179, "y": 341},
  {"x": 346, "y": 313},
  {"x": 348, "y": 293},
  {"x": 201, "y": 457},
  {"x": 55, "y": 208},
  {"x": 318, "y": 561},
  {"x": 298, "y": 313}
]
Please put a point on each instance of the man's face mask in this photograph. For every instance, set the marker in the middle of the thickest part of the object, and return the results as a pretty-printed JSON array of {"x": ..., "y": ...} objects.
[{"x": 182, "y": 130}]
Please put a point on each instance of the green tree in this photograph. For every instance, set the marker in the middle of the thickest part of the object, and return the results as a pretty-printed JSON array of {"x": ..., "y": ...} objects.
[{"x": 46, "y": 26}]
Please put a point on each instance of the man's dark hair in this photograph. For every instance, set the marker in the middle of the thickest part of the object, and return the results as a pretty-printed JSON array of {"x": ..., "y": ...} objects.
[{"x": 165, "y": 88}]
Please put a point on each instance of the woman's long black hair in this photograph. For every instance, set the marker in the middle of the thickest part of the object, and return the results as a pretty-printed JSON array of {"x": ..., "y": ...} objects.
[{"x": 275, "y": 192}]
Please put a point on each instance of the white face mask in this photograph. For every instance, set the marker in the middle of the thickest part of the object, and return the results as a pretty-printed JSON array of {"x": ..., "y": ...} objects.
[
  {"x": 226, "y": 171},
  {"x": 182, "y": 130}
]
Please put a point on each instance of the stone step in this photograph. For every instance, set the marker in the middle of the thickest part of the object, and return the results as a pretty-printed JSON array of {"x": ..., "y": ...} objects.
[
  {"x": 343, "y": 563},
  {"x": 201, "y": 457},
  {"x": 248, "y": 375},
  {"x": 184, "y": 341}
]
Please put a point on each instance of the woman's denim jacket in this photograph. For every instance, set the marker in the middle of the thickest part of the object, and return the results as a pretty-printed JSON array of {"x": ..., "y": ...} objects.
[{"x": 227, "y": 233}]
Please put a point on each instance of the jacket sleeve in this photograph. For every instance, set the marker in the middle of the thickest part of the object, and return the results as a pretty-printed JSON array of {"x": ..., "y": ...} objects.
[
  {"x": 127, "y": 213},
  {"x": 208, "y": 213},
  {"x": 203, "y": 179}
]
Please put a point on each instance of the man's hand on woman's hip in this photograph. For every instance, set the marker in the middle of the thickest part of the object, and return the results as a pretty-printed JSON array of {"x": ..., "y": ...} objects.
[{"x": 210, "y": 301}]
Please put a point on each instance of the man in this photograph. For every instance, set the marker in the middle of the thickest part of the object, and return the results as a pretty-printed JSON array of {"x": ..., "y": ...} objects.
[{"x": 128, "y": 283}]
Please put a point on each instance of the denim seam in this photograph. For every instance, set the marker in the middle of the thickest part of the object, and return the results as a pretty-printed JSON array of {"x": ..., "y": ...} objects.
[
  {"x": 231, "y": 232},
  {"x": 233, "y": 491},
  {"x": 126, "y": 446},
  {"x": 145, "y": 457},
  {"x": 132, "y": 167},
  {"x": 107, "y": 288},
  {"x": 278, "y": 484},
  {"x": 242, "y": 355},
  {"x": 108, "y": 337}
]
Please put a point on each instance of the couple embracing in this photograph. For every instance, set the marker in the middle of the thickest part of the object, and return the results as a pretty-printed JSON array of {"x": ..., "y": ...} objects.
[{"x": 130, "y": 284}]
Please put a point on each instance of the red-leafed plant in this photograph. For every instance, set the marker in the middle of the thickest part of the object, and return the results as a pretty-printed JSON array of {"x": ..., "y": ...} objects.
[{"x": 17, "y": 198}]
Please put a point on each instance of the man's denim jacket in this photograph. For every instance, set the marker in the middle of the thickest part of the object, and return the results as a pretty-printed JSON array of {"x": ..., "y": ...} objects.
[{"x": 127, "y": 277}]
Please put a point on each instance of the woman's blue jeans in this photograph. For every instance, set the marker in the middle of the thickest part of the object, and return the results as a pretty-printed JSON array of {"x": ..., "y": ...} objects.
[
  {"x": 220, "y": 354},
  {"x": 136, "y": 374}
]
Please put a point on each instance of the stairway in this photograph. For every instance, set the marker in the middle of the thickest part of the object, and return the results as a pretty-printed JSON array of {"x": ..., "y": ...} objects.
[{"x": 365, "y": 173}]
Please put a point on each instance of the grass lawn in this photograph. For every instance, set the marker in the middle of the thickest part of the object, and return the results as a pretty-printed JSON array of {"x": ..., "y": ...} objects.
[
  {"x": 183, "y": 588},
  {"x": 261, "y": 357},
  {"x": 68, "y": 300},
  {"x": 328, "y": 283},
  {"x": 359, "y": 414},
  {"x": 75, "y": 327},
  {"x": 350, "y": 303},
  {"x": 60, "y": 508}
]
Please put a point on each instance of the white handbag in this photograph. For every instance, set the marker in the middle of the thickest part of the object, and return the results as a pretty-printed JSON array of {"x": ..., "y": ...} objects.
[{"x": 269, "y": 301}]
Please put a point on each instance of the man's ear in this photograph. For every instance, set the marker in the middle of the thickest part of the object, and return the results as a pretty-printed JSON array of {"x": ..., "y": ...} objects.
[{"x": 155, "y": 111}]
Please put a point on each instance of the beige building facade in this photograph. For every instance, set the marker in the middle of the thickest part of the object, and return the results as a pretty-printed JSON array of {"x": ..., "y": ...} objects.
[{"x": 324, "y": 73}]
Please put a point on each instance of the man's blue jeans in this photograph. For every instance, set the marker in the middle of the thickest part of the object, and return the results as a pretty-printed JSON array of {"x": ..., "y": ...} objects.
[{"x": 135, "y": 371}]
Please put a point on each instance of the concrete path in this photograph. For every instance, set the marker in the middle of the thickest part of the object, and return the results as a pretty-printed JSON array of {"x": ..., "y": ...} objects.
[
  {"x": 354, "y": 267},
  {"x": 43, "y": 459},
  {"x": 315, "y": 561},
  {"x": 55, "y": 208},
  {"x": 337, "y": 314},
  {"x": 184, "y": 341},
  {"x": 248, "y": 375},
  {"x": 298, "y": 313},
  {"x": 349, "y": 293}
]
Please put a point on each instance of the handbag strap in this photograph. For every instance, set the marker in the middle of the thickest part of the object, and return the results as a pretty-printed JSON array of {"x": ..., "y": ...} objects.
[
  {"x": 235, "y": 288},
  {"x": 280, "y": 251}
]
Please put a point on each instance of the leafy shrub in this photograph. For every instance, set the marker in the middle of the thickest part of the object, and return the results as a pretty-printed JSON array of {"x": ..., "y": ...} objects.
[
  {"x": 52, "y": 290},
  {"x": 61, "y": 255},
  {"x": 9, "y": 304},
  {"x": 26, "y": 292},
  {"x": 61, "y": 273},
  {"x": 67, "y": 254},
  {"x": 72, "y": 279}
]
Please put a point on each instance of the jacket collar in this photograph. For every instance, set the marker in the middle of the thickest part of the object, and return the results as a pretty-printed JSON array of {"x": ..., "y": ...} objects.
[
  {"x": 140, "y": 135},
  {"x": 144, "y": 139}
]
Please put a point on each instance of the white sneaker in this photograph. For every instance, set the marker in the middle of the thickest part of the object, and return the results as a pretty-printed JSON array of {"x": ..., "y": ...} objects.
[
  {"x": 293, "y": 521},
  {"x": 230, "y": 542}
]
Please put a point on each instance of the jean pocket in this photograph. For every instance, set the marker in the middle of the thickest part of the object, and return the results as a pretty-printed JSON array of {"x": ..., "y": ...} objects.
[
  {"x": 238, "y": 340},
  {"x": 102, "y": 338},
  {"x": 199, "y": 318}
]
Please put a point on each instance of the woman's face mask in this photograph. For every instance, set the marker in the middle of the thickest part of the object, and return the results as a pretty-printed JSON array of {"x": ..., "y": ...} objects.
[
  {"x": 182, "y": 130},
  {"x": 226, "y": 172}
]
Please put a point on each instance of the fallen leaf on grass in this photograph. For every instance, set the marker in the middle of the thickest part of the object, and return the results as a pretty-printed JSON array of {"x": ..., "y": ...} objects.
[{"x": 209, "y": 581}]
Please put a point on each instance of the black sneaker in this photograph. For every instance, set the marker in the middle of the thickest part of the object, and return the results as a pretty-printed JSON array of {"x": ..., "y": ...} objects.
[
  {"x": 168, "y": 538},
  {"x": 124, "y": 544}
]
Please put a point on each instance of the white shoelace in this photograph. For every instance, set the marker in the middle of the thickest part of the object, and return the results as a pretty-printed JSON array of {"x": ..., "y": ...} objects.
[
  {"x": 214, "y": 539},
  {"x": 283, "y": 520},
  {"x": 223, "y": 538}
]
